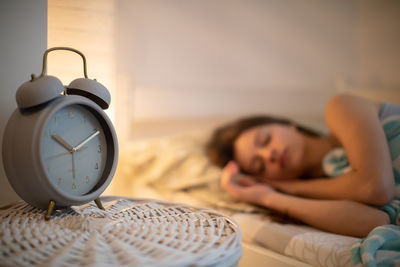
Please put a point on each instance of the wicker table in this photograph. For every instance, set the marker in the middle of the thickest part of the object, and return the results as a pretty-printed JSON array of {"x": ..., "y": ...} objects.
[{"x": 130, "y": 232}]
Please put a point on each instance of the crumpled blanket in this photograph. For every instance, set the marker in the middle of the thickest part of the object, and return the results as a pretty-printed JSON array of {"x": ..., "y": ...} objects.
[{"x": 380, "y": 248}]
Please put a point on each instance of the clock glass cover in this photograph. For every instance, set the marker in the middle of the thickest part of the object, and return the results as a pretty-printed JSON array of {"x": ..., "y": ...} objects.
[{"x": 73, "y": 149}]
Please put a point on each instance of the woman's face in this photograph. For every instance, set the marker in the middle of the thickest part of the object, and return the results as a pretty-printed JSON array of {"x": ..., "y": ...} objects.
[{"x": 272, "y": 151}]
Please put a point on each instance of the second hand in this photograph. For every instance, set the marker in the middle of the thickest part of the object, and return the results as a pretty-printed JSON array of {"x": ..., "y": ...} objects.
[{"x": 73, "y": 160}]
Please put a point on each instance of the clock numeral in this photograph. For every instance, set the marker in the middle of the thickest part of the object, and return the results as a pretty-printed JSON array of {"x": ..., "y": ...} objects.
[
  {"x": 73, "y": 186},
  {"x": 71, "y": 115},
  {"x": 96, "y": 166},
  {"x": 87, "y": 179},
  {"x": 59, "y": 180},
  {"x": 99, "y": 150}
]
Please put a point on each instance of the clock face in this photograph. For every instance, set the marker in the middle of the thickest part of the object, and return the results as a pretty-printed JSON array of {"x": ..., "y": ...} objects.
[{"x": 73, "y": 149}]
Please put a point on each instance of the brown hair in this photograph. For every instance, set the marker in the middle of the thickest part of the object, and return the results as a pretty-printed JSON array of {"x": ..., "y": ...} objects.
[{"x": 220, "y": 146}]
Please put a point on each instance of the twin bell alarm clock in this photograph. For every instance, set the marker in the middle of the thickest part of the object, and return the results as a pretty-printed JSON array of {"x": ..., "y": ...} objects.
[{"x": 59, "y": 146}]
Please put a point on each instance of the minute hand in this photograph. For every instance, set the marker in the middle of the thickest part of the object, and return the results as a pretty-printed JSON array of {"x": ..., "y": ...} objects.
[{"x": 85, "y": 141}]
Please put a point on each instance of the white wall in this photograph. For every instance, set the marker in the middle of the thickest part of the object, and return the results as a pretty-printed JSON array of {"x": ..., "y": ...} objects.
[
  {"x": 23, "y": 31},
  {"x": 379, "y": 41},
  {"x": 179, "y": 59},
  {"x": 87, "y": 26},
  {"x": 378, "y": 54}
]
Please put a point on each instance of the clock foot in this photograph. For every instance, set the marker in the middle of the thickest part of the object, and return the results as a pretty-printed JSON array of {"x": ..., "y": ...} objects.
[
  {"x": 98, "y": 203},
  {"x": 49, "y": 210}
]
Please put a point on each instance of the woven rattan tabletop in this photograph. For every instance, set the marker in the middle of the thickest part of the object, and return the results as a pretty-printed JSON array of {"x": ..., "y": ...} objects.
[{"x": 129, "y": 232}]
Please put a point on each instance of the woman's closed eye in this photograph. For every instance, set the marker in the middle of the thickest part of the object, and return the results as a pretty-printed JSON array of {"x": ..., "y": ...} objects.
[{"x": 264, "y": 140}]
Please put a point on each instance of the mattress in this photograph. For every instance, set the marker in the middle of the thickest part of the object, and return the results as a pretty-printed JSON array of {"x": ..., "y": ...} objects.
[{"x": 175, "y": 168}]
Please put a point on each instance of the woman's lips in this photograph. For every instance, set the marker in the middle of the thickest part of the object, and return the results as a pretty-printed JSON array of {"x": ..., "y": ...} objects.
[{"x": 283, "y": 159}]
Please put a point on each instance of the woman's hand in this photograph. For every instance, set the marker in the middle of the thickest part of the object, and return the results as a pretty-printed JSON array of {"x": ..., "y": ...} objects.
[
  {"x": 242, "y": 187},
  {"x": 286, "y": 186}
]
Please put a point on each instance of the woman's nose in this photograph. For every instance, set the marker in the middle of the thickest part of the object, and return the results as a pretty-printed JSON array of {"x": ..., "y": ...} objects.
[{"x": 270, "y": 155}]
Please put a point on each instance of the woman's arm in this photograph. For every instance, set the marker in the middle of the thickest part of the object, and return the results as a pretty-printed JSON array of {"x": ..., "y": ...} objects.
[
  {"x": 344, "y": 217},
  {"x": 354, "y": 122},
  {"x": 337, "y": 216}
]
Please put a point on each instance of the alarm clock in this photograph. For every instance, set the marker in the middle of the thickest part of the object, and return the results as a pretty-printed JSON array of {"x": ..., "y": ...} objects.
[{"x": 59, "y": 146}]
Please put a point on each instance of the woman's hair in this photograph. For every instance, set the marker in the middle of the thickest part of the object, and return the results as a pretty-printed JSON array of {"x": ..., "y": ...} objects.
[{"x": 220, "y": 146}]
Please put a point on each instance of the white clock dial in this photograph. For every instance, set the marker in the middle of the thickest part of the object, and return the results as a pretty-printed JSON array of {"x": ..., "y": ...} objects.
[{"x": 73, "y": 150}]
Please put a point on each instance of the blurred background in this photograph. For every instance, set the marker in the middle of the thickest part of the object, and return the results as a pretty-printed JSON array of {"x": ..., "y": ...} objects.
[
  {"x": 180, "y": 65},
  {"x": 184, "y": 60}
]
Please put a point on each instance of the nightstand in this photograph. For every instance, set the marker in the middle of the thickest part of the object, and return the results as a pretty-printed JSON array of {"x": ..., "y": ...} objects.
[{"x": 129, "y": 232}]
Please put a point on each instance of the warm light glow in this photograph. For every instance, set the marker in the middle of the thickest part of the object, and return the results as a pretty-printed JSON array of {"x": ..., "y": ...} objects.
[{"x": 88, "y": 27}]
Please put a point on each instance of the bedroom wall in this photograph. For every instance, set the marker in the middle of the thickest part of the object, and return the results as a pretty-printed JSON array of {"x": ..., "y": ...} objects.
[
  {"x": 87, "y": 26},
  {"x": 172, "y": 61},
  {"x": 184, "y": 59},
  {"x": 378, "y": 56},
  {"x": 23, "y": 31}
]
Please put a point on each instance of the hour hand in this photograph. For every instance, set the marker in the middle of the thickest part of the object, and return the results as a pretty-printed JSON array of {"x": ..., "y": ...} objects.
[{"x": 63, "y": 142}]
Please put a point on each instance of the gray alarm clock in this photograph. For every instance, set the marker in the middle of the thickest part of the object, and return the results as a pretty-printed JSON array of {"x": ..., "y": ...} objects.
[{"x": 59, "y": 146}]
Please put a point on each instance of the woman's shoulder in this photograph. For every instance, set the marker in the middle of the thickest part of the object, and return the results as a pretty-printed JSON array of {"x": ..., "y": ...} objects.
[
  {"x": 344, "y": 110},
  {"x": 349, "y": 105},
  {"x": 350, "y": 101}
]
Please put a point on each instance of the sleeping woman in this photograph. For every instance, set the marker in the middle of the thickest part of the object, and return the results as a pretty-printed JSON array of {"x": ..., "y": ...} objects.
[{"x": 343, "y": 182}]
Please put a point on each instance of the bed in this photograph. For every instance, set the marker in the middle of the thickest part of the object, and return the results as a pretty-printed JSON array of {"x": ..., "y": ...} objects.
[{"x": 173, "y": 167}]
